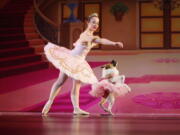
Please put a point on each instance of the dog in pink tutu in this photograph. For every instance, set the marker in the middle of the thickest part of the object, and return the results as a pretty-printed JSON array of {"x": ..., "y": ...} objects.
[{"x": 110, "y": 86}]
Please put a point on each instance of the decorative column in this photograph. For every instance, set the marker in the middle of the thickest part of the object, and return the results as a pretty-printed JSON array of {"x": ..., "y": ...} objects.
[{"x": 167, "y": 25}]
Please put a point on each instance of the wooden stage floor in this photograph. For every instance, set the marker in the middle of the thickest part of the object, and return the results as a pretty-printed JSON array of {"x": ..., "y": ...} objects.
[{"x": 16, "y": 123}]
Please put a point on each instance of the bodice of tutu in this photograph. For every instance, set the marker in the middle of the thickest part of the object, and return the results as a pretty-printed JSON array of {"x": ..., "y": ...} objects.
[{"x": 81, "y": 50}]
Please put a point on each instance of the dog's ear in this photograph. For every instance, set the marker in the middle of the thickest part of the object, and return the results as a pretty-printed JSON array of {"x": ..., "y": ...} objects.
[{"x": 114, "y": 63}]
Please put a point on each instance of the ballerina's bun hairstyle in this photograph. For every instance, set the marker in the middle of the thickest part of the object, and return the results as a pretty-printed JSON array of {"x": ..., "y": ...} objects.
[{"x": 91, "y": 16}]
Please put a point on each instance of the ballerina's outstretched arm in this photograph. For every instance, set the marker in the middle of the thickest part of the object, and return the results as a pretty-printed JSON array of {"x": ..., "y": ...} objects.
[{"x": 107, "y": 42}]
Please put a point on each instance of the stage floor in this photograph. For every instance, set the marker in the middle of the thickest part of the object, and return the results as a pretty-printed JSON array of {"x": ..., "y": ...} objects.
[{"x": 17, "y": 123}]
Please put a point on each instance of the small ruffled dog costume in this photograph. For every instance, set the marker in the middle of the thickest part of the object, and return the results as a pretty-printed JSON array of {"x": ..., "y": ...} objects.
[{"x": 110, "y": 86}]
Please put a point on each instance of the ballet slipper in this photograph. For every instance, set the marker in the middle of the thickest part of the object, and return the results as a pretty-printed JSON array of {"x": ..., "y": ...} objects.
[
  {"x": 75, "y": 103},
  {"x": 78, "y": 111},
  {"x": 47, "y": 107}
]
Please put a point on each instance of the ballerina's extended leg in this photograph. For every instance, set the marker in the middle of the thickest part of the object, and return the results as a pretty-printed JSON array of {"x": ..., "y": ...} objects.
[
  {"x": 54, "y": 91},
  {"x": 75, "y": 98}
]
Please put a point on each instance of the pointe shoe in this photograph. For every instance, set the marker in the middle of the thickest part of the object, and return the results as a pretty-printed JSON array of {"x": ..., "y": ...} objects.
[
  {"x": 46, "y": 108},
  {"x": 80, "y": 112}
]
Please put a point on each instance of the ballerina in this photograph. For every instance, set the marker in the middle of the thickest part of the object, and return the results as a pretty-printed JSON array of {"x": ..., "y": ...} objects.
[
  {"x": 110, "y": 86},
  {"x": 72, "y": 63}
]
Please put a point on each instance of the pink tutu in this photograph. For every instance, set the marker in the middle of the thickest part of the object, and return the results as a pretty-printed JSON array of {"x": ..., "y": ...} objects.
[
  {"x": 74, "y": 66},
  {"x": 104, "y": 87}
]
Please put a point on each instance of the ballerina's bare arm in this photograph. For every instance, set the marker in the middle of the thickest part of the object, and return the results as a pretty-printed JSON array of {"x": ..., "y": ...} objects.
[{"x": 107, "y": 42}]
